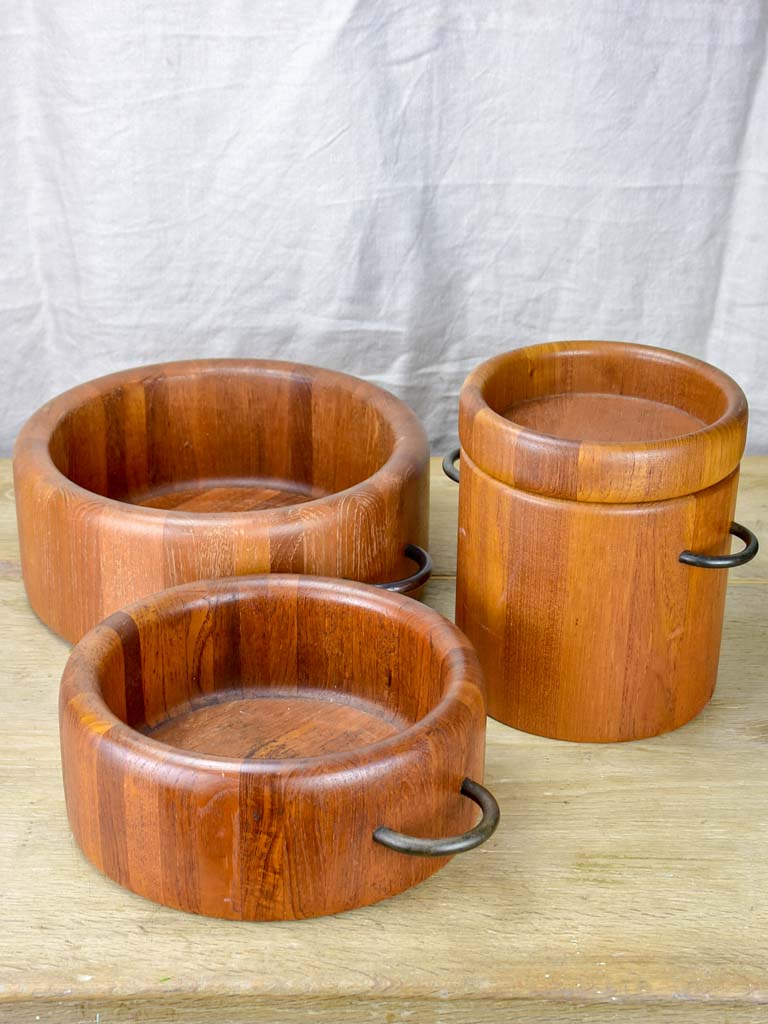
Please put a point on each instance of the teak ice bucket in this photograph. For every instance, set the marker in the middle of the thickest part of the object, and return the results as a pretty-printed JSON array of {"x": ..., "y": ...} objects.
[
  {"x": 274, "y": 747},
  {"x": 165, "y": 474},
  {"x": 597, "y": 489}
]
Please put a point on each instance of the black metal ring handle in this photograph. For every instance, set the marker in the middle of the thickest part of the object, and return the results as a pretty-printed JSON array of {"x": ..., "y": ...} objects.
[
  {"x": 449, "y": 464},
  {"x": 726, "y": 561},
  {"x": 419, "y": 578},
  {"x": 419, "y": 847}
]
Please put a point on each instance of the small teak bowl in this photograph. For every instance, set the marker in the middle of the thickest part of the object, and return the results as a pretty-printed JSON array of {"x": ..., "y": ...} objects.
[
  {"x": 161, "y": 475},
  {"x": 273, "y": 747}
]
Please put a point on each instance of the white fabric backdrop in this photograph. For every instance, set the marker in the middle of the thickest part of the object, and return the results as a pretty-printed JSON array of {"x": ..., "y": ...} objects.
[{"x": 396, "y": 189}]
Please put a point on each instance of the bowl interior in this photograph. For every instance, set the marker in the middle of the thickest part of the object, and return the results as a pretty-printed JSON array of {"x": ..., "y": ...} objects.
[
  {"x": 272, "y": 671},
  {"x": 223, "y": 439},
  {"x": 612, "y": 393}
]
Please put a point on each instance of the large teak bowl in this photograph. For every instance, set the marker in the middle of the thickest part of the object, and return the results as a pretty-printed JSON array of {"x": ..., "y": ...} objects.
[
  {"x": 164, "y": 474},
  {"x": 273, "y": 747}
]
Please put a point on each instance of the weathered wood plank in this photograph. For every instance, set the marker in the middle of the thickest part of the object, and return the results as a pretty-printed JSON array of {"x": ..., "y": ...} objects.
[{"x": 622, "y": 878}]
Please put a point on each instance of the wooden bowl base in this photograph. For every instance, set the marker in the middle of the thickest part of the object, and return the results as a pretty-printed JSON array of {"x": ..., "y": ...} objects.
[
  {"x": 266, "y": 724},
  {"x": 598, "y": 416},
  {"x": 226, "y": 495}
]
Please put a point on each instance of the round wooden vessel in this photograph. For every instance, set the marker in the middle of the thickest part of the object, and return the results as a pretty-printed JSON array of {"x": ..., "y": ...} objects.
[
  {"x": 165, "y": 474},
  {"x": 262, "y": 748},
  {"x": 598, "y": 484}
]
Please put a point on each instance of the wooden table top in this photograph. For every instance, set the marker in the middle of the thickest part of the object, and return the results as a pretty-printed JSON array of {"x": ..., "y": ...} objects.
[{"x": 622, "y": 877}]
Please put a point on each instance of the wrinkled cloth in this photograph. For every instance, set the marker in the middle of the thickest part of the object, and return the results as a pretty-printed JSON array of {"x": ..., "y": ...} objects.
[{"x": 397, "y": 190}]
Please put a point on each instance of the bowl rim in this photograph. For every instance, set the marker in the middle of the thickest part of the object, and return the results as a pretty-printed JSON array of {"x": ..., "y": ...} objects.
[
  {"x": 632, "y": 471},
  {"x": 32, "y": 446},
  {"x": 465, "y": 683}
]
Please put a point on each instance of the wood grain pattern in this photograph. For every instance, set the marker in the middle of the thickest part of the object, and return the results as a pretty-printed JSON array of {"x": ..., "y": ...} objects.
[
  {"x": 230, "y": 747},
  {"x": 626, "y": 882},
  {"x": 595, "y": 416},
  {"x": 624, "y": 468},
  {"x": 586, "y": 624},
  {"x": 244, "y": 1009},
  {"x": 161, "y": 475}
]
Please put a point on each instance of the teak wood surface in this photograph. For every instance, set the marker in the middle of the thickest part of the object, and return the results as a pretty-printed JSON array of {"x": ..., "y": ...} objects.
[
  {"x": 587, "y": 468},
  {"x": 626, "y": 883},
  {"x": 161, "y": 475},
  {"x": 230, "y": 747}
]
